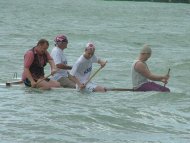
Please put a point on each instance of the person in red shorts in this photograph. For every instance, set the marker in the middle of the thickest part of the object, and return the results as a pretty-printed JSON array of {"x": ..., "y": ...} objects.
[
  {"x": 35, "y": 60},
  {"x": 141, "y": 75}
]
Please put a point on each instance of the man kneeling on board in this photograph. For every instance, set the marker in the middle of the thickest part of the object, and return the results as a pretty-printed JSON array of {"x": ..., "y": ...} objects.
[
  {"x": 82, "y": 68},
  {"x": 57, "y": 53},
  {"x": 141, "y": 74},
  {"x": 35, "y": 60}
]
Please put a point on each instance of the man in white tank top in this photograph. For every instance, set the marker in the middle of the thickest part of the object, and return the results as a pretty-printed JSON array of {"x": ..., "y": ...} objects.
[{"x": 141, "y": 74}]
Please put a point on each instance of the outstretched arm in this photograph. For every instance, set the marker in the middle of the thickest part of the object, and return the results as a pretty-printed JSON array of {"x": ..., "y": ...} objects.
[{"x": 142, "y": 69}]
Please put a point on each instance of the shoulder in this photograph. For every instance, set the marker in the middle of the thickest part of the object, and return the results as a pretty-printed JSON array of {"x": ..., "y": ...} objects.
[
  {"x": 95, "y": 58},
  {"x": 29, "y": 53},
  {"x": 28, "y": 58},
  {"x": 47, "y": 54},
  {"x": 139, "y": 65},
  {"x": 54, "y": 50},
  {"x": 79, "y": 61}
]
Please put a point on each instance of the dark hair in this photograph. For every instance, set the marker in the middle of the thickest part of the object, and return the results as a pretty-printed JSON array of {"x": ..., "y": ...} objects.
[{"x": 42, "y": 41}]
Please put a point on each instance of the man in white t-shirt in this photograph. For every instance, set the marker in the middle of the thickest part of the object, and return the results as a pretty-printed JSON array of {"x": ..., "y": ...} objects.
[
  {"x": 82, "y": 68},
  {"x": 60, "y": 60}
]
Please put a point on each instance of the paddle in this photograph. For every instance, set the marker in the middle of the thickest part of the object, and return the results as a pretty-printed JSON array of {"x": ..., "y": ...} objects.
[
  {"x": 167, "y": 74},
  {"x": 43, "y": 79},
  {"x": 93, "y": 75},
  {"x": 119, "y": 89},
  {"x": 46, "y": 77},
  {"x": 14, "y": 83},
  {"x": 20, "y": 81}
]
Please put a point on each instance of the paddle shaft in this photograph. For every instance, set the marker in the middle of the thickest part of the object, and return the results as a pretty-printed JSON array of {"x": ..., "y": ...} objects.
[
  {"x": 93, "y": 76},
  {"x": 20, "y": 81},
  {"x": 43, "y": 79},
  {"x": 167, "y": 74},
  {"x": 46, "y": 77}
]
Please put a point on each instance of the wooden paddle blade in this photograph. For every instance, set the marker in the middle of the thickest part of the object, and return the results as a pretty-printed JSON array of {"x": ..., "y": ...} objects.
[
  {"x": 167, "y": 74},
  {"x": 8, "y": 84},
  {"x": 119, "y": 89}
]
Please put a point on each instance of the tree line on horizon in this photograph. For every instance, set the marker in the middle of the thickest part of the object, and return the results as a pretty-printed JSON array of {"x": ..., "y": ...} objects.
[{"x": 170, "y": 1}]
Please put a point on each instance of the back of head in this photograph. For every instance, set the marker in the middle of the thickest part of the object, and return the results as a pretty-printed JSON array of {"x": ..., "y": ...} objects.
[
  {"x": 146, "y": 49},
  {"x": 60, "y": 39},
  {"x": 90, "y": 46}
]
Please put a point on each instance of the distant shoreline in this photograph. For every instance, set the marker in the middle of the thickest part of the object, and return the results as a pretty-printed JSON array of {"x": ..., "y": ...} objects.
[{"x": 168, "y": 1}]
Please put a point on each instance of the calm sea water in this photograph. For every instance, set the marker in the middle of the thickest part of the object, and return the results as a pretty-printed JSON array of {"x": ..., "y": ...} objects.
[{"x": 118, "y": 29}]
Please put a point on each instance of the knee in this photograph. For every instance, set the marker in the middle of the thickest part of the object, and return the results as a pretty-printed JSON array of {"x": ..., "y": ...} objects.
[
  {"x": 100, "y": 89},
  {"x": 57, "y": 84}
]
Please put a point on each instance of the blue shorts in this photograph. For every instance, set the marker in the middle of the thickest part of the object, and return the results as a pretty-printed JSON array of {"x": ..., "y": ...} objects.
[{"x": 28, "y": 83}]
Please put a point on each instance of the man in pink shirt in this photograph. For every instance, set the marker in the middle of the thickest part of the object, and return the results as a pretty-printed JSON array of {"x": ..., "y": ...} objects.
[{"x": 35, "y": 60}]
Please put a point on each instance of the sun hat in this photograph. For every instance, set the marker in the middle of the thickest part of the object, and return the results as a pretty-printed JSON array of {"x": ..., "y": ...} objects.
[
  {"x": 146, "y": 49},
  {"x": 61, "y": 38}
]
